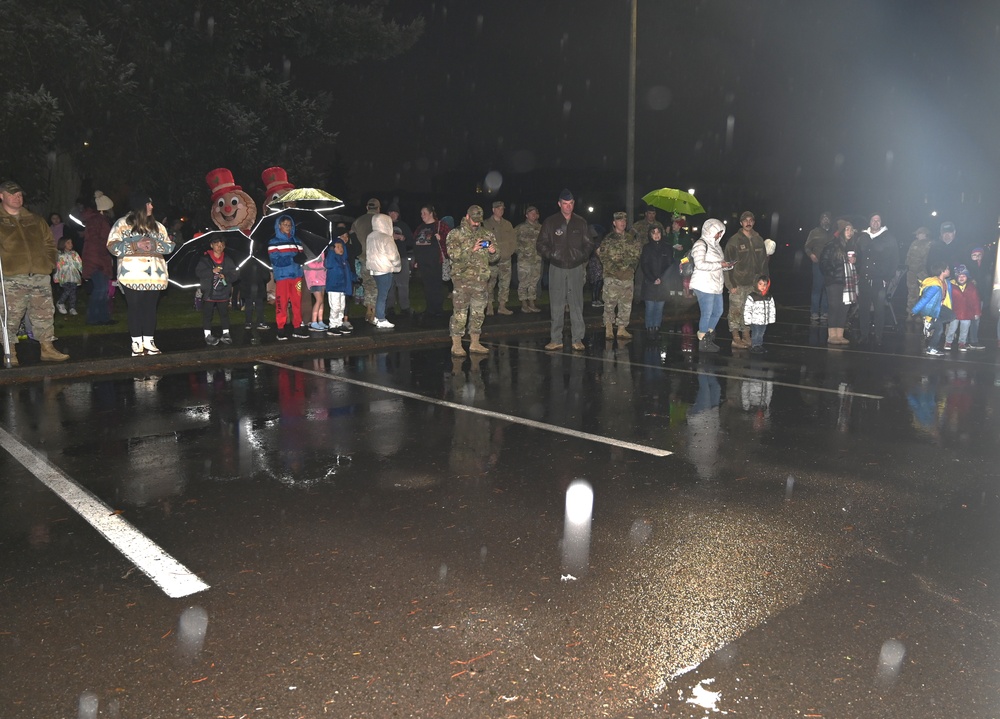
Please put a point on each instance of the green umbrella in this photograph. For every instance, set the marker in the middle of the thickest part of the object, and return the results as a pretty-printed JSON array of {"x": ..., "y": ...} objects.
[
  {"x": 672, "y": 200},
  {"x": 308, "y": 197}
]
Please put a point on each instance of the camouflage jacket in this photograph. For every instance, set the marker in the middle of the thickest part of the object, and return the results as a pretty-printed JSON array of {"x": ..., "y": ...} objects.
[
  {"x": 527, "y": 240},
  {"x": 619, "y": 254},
  {"x": 469, "y": 261},
  {"x": 641, "y": 230},
  {"x": 503, "y": 231}
]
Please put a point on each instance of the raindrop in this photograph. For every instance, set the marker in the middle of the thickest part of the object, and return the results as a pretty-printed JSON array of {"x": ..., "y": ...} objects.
[
  {"x": 838, "y": 160},
  {"x": 641, "y": 531},
  {"x": 658, "y": 98},
  {"x": 500, "y": 142},
  {"x": 774, "y": 224},
  {"x": 50, "y": 159},
  {"x": 567, "y": 107},
  {"x": 286, "y": 68},
  {"x": 586, "y": 85},
  {"x": 479, "y": 23},
  {"x": 698, "y": 145},
  {"x": 420, "y": 120},
  {"x": 168, "y": 46},
  {"x": 563, "y": 41},
  {"x": 492, "y": 182},
  {"x": 889, "y": 156},
  {"x": 537, "y": 410},
  {"x": 210, "y": 26},
  {"x": 397, "y": 178},
  {"x": 482, "y": 553},
  {"x": 576, "y": 527},
  {"x": 890, "y": 660},
  {"x": 789, "y": 486},
  {"x": 730, "y": 126},
  {"x": 472, "y": 88},
  {"x": 442, "y": 572},
  {"x": 559, "y": 89},
  {"x": 730, "y": 97},
  {"x": 447, "y": 80},
  {"x": 407, "y": 166},
  {"x": 191, "y": 630},
  {"x": 197, "y": 18},
  {"x": 87, "y": 708}
]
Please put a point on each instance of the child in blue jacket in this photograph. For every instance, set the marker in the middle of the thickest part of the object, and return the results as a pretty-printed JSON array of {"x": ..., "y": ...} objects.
[
  {"x": 935, "y": 305},
  {"x": 340, "y": 279}
]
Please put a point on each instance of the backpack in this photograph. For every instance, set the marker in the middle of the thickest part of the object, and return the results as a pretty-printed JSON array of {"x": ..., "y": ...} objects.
[{"x": 686, "y": 265}]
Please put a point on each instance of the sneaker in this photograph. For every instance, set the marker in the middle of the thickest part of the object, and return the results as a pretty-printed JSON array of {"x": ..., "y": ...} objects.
[
  {"x": 72, "y": 311},
  {"x": 61, "y": 308},
  {"x": 282, "y": 335},
  {"x": 150, "y": 347},
  {"x": 137, "y": 350},
  {"x": 814, "y": 317},
  {"x": 248, "y": 326},
  {"x": 947, "y": 345},
  {"x": 226, "y": 339},
  {"x": 384, "y": 324},
  {"x": 757, "y": 349},
  {"x": 962, "y": 347},
  {"x": 346, "y": 328},
  {"x": 334, "y": 332},
  {"x": 211, "y": 340},
  {"x": 934, "y": 352},
  {"x": 262, "y": 326},
  {"x": 300, "y": 332},
  {"x": 976, "y": 346},
  {"x": 318, "y": 327}
]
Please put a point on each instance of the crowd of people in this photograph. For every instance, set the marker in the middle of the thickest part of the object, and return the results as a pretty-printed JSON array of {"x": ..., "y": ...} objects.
[{"x": 853, "y": 274}]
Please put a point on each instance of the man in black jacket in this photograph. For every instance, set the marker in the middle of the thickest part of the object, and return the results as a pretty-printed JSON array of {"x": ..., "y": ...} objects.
[
  {"x": 565, "y": 243},
  {"x": 878, "y": 259}
]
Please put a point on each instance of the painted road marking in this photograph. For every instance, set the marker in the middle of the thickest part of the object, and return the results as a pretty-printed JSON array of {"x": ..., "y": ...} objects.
[
  {"x": 742, "y": 378},
  {"x": 166, "y": 572},
  {"x": 655, "y": 451}
]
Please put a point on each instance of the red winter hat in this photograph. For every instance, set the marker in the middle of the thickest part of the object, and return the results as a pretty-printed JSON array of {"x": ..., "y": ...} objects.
[
  {"x": 276, "y": 181},
  {"x": 220, "y": 181}
]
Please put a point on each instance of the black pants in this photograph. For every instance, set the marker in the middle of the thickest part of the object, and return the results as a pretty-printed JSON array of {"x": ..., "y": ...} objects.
[
  {"x": 871, "y": 294},
  {"x": 255, "y": 297},
  {"x": 429, "y": 261},
  {"x": 208, "y": 310},
  {"x": 838, "y": 310},
  {"x": 141, "y": 311}
]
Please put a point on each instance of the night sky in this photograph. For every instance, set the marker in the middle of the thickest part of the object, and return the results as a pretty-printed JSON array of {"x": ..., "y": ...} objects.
[{"x": 784, "y": 107}]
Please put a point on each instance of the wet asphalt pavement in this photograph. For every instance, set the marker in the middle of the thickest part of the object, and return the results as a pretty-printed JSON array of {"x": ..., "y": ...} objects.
[{"x": 383, "y": 531}]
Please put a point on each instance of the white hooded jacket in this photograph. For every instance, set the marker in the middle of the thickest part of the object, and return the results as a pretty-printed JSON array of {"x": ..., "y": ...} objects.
[
  {"x": 708, "y": 258},
  {"x": 381, "y": 254}
]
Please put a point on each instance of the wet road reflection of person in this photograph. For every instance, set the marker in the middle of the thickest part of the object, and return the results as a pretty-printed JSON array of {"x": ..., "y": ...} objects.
[{"x": 704, "y": 425}]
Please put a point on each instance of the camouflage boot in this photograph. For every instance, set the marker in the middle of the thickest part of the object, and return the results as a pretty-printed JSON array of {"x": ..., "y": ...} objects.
[
  {"x": 477, "y": 348},
  {"x": 609, "y": 331}
]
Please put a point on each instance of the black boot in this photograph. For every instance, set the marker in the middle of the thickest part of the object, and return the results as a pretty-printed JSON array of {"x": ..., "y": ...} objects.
[{"x": 705, "y": 344}]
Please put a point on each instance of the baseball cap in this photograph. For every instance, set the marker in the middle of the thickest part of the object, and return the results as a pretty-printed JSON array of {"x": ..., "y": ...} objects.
[
  {"x": 498, "y": 203},
  {"x": 475, "y": 213},
  {"x": 947, "y": 227},
  {"x": 620, "y": 216},
  {"x": 10, "y": 187}
]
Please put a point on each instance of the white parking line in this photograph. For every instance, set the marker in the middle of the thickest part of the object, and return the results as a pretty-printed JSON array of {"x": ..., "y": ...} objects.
[
  {"x": 165, "y": 571},
  {"x": 655, "y": 451},
  {"x": 744, "y": 378}
]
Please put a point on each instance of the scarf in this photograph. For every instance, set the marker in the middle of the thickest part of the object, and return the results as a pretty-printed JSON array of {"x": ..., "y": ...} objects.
[{"x": 850, "y": 283}]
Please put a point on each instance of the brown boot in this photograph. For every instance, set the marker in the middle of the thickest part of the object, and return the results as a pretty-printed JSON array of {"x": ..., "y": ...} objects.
[
  {"x": 525, "y": 306},
  {"x": 502, "y": 309},
  {"x": 51, "y": 354},
  {"x": 474, "y": 346},
  {"x": 738, "y": 343},
  {"x": 624, "y": 333},
  {"x": 532, "y": 307},
  {"x": 370, "y": 315},
  {"x": 609, "y": 331},
  {"x": 456, "y": 347},
  {"x": 747, "y": 340}
]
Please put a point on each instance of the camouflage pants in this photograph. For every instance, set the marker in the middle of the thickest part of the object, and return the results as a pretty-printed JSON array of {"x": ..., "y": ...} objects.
[
  {"x": 529, "y": 272},
  {"x": 469, "y": 303},
  {"x": 500, "y": 274},
  {"x": 371, "y": 290},
  {"x": 737, "y": 302},
  {"x": 617, "y": 301},
  {"x": 912, "y": 290},
  {"x": 31, "y": 294}
]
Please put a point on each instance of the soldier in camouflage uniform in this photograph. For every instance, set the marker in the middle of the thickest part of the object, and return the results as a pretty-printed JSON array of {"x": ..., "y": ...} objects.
[
  {"x": 28, "y": 253},
  {"x": 529, "y": 263},
  {"x": 471, "y": 248},
  {"x": 500, "y": 273},
  {"x": 619, "y": 254}
]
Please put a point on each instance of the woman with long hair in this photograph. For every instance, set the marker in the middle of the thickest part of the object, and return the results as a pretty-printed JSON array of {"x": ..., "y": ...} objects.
[
  {"x": 837, "y": 264},
  {"x": 140, "y": 242},
  {"x": 429, "y": 253}
]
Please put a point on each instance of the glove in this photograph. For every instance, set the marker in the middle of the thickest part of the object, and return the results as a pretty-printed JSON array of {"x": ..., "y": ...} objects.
[{"x": 300, "y": 258}]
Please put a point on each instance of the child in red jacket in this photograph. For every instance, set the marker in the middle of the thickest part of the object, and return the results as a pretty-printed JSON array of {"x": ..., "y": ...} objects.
[{"x": 966, "y": 305}]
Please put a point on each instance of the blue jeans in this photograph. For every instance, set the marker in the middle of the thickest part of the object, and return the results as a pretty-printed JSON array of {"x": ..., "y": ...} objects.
[
  {"x": 819, "y": 303},
  {"x": 711, "y": 310},
  {"x": 654, "y": 313},
  {"x": 98, "y": 312},
  {"x": 757, "y": 335},
  {"x": 384, "y": 284}
]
